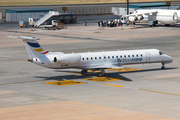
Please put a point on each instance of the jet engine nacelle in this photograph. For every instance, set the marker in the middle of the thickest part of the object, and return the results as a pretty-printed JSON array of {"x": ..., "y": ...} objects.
[
  {"x": 68, "y": 59},
  {"x": 140, "y": 17},
  {"x": 175, "y": 16},
  {"x": 133, "y": 19}
]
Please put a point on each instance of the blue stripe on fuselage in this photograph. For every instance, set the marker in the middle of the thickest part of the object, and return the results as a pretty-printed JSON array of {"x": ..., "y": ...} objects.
[{"x": 34, "y": 44}]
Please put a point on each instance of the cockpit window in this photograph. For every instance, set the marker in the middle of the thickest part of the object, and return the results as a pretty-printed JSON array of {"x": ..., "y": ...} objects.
[{"x": 160, "y": 53}]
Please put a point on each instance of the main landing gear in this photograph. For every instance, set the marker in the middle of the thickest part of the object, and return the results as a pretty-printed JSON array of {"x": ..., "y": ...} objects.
[
  {"x": 99, "y": 74},
  {"x": 163, "y": 67},
  {"x": 84, "y": 72}
]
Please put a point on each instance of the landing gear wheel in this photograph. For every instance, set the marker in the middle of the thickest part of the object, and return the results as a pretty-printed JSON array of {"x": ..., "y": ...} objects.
[
  {"x": 99, "y": 74},
  {"x": 84, "y": 72},
  {"x": 163, "y": 67}
]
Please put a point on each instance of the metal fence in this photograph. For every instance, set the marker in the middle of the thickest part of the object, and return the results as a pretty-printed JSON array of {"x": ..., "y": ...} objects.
[
  {"x": 15, "y": 17},
  {"x": 89, "y": 10}
]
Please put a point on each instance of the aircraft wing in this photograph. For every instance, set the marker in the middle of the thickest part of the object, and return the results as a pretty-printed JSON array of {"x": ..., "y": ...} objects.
[
  {"x": 103, "y": 66},
  {"x": 149, "y": 12}
]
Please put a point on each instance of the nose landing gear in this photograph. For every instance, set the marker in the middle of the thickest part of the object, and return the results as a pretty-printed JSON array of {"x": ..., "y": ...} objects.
[{"x": 163, "y": 66}]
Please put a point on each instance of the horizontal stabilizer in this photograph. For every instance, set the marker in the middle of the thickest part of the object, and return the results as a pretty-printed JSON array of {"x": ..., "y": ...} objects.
[{"x": 28, "y": 39}]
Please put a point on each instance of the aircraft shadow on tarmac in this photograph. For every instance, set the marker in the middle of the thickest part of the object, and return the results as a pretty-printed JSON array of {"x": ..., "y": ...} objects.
[
  {"x": 139, "y": 26},
  {"x": 148, "y": 70},
  {"x": 76, "y": 75}
]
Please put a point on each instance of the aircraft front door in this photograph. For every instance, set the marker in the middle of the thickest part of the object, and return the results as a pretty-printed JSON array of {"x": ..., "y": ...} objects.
[{"x": 147, "y": 57}]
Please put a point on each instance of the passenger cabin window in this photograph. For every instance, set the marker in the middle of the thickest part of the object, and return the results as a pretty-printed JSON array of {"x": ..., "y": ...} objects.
[
  {"x": 91, "y": 58},
  {"x": 132, "y": 55},
  {"x": 99, "y": 57},
  {"x": 121, "y": 56},
  {"x": 87, "y": 58},
  {"x": 136, "y": 55},
  {"x": 82, "y": 58},
  {"x": 141, "y": 55},
  {"x": 95, "y": 57},
  {"x": 104, "y": 57},
  {"x": 108, "y": 57},
  {"x": 112, "y": 56},
  {"x": 128, "y": 55},
  {"x": 124, "y": 55},
  {"x": 116, "y": 56}
]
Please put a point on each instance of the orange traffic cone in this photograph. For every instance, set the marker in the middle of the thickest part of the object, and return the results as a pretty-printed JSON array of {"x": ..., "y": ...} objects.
[{"x": 34, "y": 28}]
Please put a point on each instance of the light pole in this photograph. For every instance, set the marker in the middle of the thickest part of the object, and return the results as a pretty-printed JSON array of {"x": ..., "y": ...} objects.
[{"x": 127, "y": 7}]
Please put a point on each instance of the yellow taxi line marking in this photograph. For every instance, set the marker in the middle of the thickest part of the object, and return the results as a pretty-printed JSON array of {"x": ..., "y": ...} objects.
[
  {"x": 95, "y": 71},
  {"x": 64, "y": 83},
  {"x": 124, "y": 69},
  {"x": 75, "y": 73},
  {"x": 12, "y": 58},
  {"x": 102, "y": 79},
  {"x": 113, "y": 85},
  {"x": 160, "y": 92}
]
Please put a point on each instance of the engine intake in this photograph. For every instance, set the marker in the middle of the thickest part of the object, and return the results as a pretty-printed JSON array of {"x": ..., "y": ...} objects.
[
  {"x": 133, "y": 19},
  {"x": 68, "y": 59},
  {"x": 140, "y": 17}
]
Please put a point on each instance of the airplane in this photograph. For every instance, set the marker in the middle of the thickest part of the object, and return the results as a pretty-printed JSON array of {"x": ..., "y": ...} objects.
[
  {"x": 155, "y": 16},
  {"x": 91, "y": 60}
]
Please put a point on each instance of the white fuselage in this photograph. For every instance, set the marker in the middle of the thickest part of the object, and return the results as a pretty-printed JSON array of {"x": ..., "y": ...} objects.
[
  {"x": 168, "y": 16},
  {"x": 95, "y": 60},
  {"x": 162, "y": 16}
]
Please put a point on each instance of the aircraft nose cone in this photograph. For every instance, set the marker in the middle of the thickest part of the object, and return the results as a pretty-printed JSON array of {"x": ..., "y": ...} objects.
[{"x": 169, "y": 58}]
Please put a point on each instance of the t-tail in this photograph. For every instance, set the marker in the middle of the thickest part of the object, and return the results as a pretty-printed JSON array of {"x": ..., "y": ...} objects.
[{"x": 33, "y": 48}]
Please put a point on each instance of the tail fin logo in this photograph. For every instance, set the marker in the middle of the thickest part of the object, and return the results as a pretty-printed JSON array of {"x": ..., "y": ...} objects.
[{"x": 36, "y": 47}]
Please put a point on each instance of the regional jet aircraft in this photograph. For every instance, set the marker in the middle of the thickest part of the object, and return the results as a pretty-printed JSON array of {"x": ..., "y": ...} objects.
[
  {"x": 155, "y": 16},
  {"x": 91, "y": 60}
]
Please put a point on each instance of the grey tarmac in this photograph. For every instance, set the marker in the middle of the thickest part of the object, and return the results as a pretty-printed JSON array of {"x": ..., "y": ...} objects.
[{"x": 139, "y": 92}]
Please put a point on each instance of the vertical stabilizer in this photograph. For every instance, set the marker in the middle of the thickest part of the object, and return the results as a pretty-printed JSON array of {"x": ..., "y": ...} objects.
[{"x": 33, "y": 47}]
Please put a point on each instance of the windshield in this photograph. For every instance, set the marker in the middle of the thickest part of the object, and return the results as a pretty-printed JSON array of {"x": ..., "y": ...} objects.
[{"x": 160, "y": 53}]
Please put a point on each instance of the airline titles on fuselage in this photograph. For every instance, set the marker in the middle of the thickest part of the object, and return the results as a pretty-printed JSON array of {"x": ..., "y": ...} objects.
[{"x": 129, "y": 60}]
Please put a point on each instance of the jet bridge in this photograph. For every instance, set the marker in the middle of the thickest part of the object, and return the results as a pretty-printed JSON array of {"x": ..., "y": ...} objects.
[{"x": 46, "y": 17}]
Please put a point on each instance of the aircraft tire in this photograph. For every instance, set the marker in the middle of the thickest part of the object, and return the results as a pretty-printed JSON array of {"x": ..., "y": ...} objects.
[
  {"x": 163, "y": 67},
  {"x": 99, "y": 74},
  {"x": 84, "y": 72}
]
